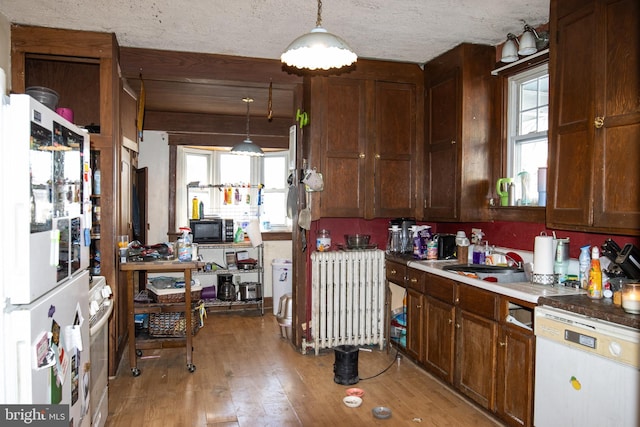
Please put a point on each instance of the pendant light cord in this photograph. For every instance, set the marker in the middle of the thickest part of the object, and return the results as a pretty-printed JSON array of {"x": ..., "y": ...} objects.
[
  {"x": 319, "y": 17},
  {"x": 248, "y": 101}
]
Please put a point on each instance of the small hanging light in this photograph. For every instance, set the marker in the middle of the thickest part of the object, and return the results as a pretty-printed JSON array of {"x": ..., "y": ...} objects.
[
  {"x": 246, "y": 147},
  {"x": 318, "y": 49}
]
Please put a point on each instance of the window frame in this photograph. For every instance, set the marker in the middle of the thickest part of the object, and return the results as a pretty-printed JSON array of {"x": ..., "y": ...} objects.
[
  {"x": 511, "y": 213},
  {"x": 182, "y": 204}
]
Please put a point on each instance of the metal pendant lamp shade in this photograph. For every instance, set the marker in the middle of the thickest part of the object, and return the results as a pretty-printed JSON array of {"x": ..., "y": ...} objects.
[
  {"x": 246, "y": 147},
  {"x": 510, "y": 49},
  {"x": 318, "y": 50}
]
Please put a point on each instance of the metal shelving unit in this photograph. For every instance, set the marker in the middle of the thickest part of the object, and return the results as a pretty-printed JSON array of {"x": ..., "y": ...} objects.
[{"x": 214, "y": 255}]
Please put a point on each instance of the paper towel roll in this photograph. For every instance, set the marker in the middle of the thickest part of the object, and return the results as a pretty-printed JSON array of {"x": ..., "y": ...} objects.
[
  {"x": 253, "y": 231},
  {"x": 543, "y": 255}
]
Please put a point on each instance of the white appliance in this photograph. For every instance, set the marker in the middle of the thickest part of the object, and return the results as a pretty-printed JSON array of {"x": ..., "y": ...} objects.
[
  {"x": 100, "y": 308},
  {"x": 587, "y": 371},
  {"x": 46, "y": 217}
]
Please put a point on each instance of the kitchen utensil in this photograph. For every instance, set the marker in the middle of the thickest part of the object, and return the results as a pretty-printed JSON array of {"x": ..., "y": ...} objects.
[
  {"x": 381, "y": 412},
  {"x": 44, "y": 95},
  {"x": 355, "y": 391},
  {"x": 502, "y": 189},
  {"x": 352, "y": 401},
  {"x": 226, "y": 288},
  {"x": 355, "y": 241},
  {"x": 304, "y": 217},
  {"x": 313, "y": 180},
  {"x": 292, "y": 200}
]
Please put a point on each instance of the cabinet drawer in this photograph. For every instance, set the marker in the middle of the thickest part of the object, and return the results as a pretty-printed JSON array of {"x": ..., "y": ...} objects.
[
  {"x": 396, "y": 272},
  {"x": 477, "y": 301},
  {"x": 440, "y": 288},
  {"x": 416, "y": 279}
]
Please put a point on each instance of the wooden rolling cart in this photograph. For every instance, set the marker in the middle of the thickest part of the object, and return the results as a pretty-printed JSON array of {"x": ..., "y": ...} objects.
[{"x": 136, "y": 345}]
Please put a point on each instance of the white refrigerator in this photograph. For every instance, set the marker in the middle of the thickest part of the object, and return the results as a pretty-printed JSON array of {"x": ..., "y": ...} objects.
[{"x": 45, "y": 220}]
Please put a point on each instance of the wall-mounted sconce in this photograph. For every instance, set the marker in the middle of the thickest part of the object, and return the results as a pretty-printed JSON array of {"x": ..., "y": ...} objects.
[{"x": 530, "y": 42}]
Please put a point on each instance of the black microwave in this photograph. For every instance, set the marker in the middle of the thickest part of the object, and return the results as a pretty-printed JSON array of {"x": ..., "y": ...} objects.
[{"x": 211, "y": 230}]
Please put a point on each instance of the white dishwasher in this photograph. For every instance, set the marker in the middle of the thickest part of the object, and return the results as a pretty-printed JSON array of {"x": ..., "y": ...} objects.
[{"x": 587, "y": 371}]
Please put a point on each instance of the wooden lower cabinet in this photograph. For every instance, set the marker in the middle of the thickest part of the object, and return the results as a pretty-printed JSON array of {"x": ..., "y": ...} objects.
[
  {"x": 459, "y": 334},
  {"x": 476, "y": 358},
  {"x": 438, "y": 338},
  {"x": 514, "y": 394}
]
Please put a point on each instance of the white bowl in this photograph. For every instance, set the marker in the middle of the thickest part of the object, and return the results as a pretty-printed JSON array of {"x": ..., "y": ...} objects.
[{"x": 352, "y": 401}]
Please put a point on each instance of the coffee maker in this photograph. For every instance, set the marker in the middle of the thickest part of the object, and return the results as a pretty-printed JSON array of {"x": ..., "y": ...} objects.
[{"x": 406, "y": 238}]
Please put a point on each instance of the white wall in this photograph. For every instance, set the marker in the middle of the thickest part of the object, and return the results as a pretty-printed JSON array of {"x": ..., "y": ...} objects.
[{"x": 154, "y": 155}]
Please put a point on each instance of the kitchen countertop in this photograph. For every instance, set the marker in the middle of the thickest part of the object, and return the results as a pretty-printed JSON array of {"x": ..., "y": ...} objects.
[
  {"x": 570, "y": 299},
  {"x": 524, "y": 291},
  {"x": 602, "y": 309}
]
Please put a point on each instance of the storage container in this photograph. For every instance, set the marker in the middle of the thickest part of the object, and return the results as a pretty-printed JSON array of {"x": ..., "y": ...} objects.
[
  {"x": 172, "y": 324},
  {"x": 163, "y": 290}
]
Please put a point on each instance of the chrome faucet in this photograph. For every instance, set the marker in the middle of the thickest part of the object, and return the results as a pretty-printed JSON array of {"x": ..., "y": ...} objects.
[{"x": 517, "y": 262}]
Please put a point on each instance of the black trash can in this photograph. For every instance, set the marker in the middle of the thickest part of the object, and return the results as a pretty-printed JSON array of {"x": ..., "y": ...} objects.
[{"x": 345, "y": 368}]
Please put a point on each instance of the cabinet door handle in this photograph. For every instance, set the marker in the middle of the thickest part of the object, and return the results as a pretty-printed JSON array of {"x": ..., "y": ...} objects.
[
  {"x": 598, "y": 122},
  {"x": 458, "y": 325},
  {"x": 453, "y": 141},
  {"x": 414, "y": 280},
  {"x": 377, "y": 156},
  {"x": 393, "y": 272},
  {"x": 450, "y": 321},
  {"x": 361, "y": 155},
  {"x": 502, "y": 344},
  {"x": 418, "y": 306}
]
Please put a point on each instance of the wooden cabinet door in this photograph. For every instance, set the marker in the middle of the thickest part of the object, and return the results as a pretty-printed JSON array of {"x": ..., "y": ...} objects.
[
  {"x": 439, "y": 338},
  {"x": 617, "y": 144},
  {"x": 414, "y": 323},
  {"x": 394, "y": 192},
  {"x": 594, "y": 122},
  {"x": 342, "y": 117},
  {"x": 514, "y": 394},
  {"x": 476, "y": 358},
  {"x": 442, "y": 134},
  {"x": 571, "y": 127}
]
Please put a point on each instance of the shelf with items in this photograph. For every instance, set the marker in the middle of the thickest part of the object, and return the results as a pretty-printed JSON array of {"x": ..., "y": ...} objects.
[
  {"x": 221, "y": 262},
  {"x": 95, "y": 255},
  {"x": 237, "y": 200}
]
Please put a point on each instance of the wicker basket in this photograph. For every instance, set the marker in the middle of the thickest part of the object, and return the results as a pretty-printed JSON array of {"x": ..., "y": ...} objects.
[
  {"x": 171, "y": 294},
  {"x": 172, "y": 324}
]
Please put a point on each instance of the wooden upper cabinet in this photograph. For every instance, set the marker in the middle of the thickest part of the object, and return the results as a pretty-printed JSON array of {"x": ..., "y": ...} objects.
[
  {"x": 364, "y": 140},
  {"x": 594, "y": 132},
  {"x": 458, "y": 97},
  {"x": 394, "y": 163}
]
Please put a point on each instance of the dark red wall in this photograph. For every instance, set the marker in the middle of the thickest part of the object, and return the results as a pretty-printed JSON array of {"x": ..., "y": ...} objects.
[{"x": 515, "y": 235}]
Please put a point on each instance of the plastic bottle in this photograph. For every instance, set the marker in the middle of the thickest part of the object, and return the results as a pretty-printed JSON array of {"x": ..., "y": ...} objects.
[
  {"x": 195, "y": 205},
  {"x": 184, "y": 245},
  {"x": 201, "y": 210},
  {"x": 594, "y": 289},
  {"x": 96, "y": 182},
  {"x": 584, "y": 262}
]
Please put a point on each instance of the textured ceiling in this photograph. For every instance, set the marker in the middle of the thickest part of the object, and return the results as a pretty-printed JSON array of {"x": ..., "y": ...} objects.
[{"x": 397, "y": 30}]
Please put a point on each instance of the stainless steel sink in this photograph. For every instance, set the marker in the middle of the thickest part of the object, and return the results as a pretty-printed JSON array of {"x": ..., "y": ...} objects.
[{"x": 495, "y": 273}]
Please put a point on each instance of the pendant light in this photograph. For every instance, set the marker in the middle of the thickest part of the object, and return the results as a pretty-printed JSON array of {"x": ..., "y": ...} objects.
[
  {"x": 246, "y": 147},
  {"x": 318, "y": 49},
  {"x": 528, "y": 41}
]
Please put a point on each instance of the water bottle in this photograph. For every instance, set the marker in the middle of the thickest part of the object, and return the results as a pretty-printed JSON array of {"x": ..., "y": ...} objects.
[{"x": 584, "y": 262}]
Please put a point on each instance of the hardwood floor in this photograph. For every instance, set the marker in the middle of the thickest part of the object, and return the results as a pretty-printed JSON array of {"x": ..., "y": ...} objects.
[{"x": 247, "y": 375}]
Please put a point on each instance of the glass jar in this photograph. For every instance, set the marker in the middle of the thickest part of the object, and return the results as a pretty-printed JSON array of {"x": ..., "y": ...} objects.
[
  {"x": 631, "y": 297},
  {"x": 393, "y": 240},
  {"x": 323, "y": 241}
]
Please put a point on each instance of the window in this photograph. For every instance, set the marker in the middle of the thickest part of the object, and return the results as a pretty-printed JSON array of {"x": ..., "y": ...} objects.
[
  {"x": 229, "y": 185},
  {"x": 528, "y": 123}
]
